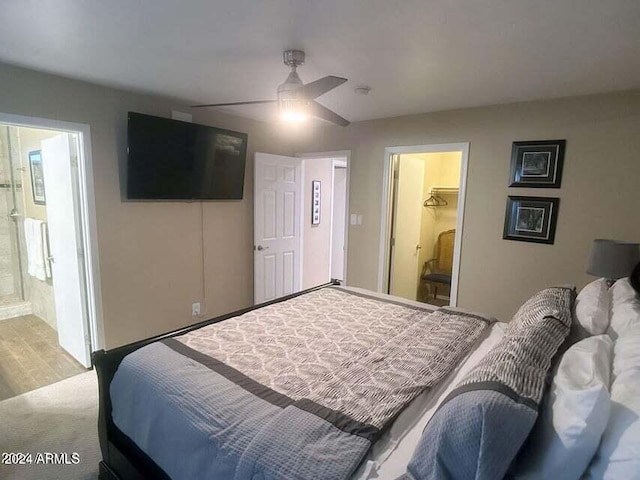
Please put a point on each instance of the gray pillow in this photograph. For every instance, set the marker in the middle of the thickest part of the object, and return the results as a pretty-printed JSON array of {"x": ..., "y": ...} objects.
[{"x": 468, "y": 436}]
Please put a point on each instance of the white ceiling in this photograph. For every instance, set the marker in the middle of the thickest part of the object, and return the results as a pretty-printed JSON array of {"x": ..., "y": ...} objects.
[{"x": 417, "y": 55}]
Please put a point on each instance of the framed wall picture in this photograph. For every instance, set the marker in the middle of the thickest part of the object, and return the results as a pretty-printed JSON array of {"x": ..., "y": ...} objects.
[
  {"x": 315, "y": 202},
  {"x": 531, "y": 219},
  {"x": 537, "y": 164},
  {"x": 37, "y": 177}
]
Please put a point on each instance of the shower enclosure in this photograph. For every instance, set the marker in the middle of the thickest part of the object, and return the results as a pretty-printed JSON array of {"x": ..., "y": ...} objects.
[{"x": 13, "y": 292}]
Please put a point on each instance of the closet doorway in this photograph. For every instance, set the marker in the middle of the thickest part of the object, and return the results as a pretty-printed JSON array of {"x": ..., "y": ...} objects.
[
  {"x": 48, "y": 319},
  {"x": 423, "y": 216}
]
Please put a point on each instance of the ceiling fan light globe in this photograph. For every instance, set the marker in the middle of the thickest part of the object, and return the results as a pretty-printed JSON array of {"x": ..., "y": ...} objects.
[
  {"x": 288, "y": 96},
  {"x": 293, "y": 116},
  {"x": 291, "y": 104},
  {"x": 293, "y": 82}
]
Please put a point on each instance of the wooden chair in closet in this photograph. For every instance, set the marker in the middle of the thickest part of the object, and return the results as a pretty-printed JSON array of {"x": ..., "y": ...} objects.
[{"x": 437, "y": 271}]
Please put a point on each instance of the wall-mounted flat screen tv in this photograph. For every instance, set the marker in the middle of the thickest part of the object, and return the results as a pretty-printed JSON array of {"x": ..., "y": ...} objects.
[{"x": 172, "y": 160}]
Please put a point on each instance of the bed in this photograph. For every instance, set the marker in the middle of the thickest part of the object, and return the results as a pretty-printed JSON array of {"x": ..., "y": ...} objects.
[
  {"x": 331, "y": 383},
  {"x": 364, "y": 323}
]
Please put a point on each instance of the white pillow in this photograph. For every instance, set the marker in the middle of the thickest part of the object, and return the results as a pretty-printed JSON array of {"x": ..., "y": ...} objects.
[
  {"x": 625, "y": 307},
  {"x": 619, "y": 452},
  {"x": 592, "y": 307},
  {"x": 626, "y": 352},
  {"x": 573, "y": 414}
]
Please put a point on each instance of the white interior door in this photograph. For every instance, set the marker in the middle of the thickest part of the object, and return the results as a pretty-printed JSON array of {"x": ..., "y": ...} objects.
[
  {"x": 277, "y": 226},
  {"x": 338, "y": 222},
  {"x": 405, "y": 253},
  {"x": 59, "y": 160}
]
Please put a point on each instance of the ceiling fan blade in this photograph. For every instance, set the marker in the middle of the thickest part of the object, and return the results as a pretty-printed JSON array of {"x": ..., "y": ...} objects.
[
  {"x": 253, "y": 102},
  {"x": 322, "y": 85},
  {"x": 323, "y": 112}
]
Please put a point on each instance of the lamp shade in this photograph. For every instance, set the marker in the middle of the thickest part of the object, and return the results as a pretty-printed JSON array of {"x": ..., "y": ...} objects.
[{"x": 612, "y": 259}]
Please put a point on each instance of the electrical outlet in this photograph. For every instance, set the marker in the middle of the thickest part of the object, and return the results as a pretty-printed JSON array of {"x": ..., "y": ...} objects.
[{"x": 195, "y": 309}]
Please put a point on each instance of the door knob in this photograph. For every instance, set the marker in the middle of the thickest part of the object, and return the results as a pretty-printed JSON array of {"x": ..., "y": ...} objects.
[
  {"x": 260, "y": 248},
  {"x": 14, "y": 214}
]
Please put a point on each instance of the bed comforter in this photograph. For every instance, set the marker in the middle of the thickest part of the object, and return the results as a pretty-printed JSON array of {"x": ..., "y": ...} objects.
[{"x": 295, "y": 390}]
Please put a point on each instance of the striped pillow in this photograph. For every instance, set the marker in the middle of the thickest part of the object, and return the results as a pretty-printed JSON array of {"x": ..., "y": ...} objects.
[{"x": 468, "y": 436}]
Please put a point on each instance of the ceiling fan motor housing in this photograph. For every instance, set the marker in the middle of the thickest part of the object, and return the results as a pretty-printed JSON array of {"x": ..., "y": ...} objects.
[{"x": 293, "y": 58}]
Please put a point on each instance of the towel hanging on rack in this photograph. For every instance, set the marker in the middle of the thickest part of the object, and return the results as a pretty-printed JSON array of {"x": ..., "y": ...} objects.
[{"x": 34, "y": 239}]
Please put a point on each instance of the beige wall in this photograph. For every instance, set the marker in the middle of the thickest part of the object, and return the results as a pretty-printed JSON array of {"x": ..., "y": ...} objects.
[
  {"x": 317, "y": 238},
  {"x": 30, "y": 139},
  {"x": 151, "y": 254},
  {"x": 600, "y": 194}
]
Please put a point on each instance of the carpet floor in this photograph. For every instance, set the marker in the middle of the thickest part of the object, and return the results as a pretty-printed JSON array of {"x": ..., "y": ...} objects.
[{"x": 58, "y": 418}]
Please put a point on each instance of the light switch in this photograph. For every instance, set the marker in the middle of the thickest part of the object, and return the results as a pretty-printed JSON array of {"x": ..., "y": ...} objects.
[
  {"x": 353, "y": 220},
  {"x": 359, "y": 219}
]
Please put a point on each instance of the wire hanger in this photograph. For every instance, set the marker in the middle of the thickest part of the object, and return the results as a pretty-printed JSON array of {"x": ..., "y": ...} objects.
[{"x": 435, "y": 200}]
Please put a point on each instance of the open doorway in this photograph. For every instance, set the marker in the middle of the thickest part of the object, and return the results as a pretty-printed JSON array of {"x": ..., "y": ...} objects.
[
  {"x": 300, "y": 222},
  {"x": 45, "y": 302},
  {"x": 422, "y": 222},
  {"x": 324, "y": 223}
]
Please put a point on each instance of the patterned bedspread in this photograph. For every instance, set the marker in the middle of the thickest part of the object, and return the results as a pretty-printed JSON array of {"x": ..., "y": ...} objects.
[{"x": 295, "y": 390}]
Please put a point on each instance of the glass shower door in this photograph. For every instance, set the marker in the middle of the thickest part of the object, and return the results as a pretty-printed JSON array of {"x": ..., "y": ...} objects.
[{"x": 12, "y": 250}]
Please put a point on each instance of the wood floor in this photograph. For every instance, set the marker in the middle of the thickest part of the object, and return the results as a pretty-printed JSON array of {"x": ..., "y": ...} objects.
[
  {"x": 30, "y": 356},
  {"x": 438, "y": 302}
]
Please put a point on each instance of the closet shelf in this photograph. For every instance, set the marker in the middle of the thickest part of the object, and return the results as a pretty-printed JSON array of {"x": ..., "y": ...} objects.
[{"x": 444, "y": 190}]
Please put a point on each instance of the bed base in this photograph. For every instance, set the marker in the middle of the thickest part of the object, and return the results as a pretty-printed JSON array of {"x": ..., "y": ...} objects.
[{"x": 121, "y": 457}]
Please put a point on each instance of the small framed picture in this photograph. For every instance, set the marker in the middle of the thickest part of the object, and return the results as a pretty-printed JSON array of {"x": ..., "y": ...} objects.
[
  {"x": 531, "y": 219},
  {"x": 537, "y": 164},
  {"x": 37, "y": 177},
  {"x": 315, "y": 202}
]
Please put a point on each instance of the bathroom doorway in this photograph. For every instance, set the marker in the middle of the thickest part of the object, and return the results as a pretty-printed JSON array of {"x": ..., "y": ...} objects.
[
  {"x": 422, "y": 222},
  {"x": 46, "y": 304}
]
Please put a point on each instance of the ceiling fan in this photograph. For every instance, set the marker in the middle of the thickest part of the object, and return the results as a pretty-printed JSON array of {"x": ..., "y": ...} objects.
[{"x": 296, "y": 100}]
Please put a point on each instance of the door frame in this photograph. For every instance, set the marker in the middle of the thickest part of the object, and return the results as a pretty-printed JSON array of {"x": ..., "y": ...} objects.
[
  {"x": 87, "y": 218},
  {"x": 337, "y": 155},
  {"x": 386, "y": 210},
  {"x": 339, "y": 163}
]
